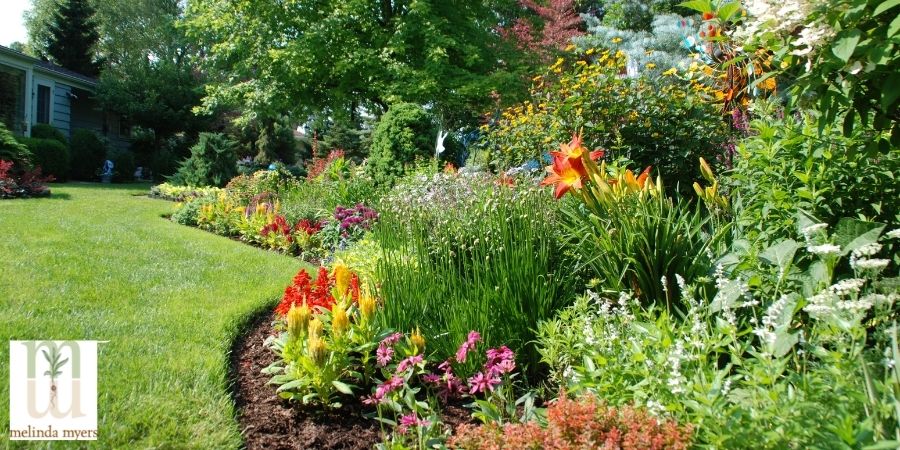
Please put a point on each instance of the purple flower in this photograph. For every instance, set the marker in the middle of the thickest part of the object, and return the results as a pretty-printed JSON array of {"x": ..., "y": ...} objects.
[
  {"x": 392, "y": 339},
  {"x": 464, "y": 349}
]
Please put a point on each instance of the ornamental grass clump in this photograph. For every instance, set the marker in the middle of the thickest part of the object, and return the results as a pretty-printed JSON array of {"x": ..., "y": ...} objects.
[{"x": 463, "y": 252}]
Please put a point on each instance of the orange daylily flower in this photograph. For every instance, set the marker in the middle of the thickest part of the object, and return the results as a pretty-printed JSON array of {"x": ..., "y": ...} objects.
[
  {"x": 573, "y": 152},
  {"x": 563, "y": 175}
]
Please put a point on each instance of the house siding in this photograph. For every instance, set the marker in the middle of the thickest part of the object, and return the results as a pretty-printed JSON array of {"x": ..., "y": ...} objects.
[{"x": 62, "y": 109}]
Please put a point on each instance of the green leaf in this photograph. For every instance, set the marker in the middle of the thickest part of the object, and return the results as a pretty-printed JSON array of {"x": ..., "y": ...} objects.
[
  {"x": 890, "y": 90},
  {"x": 727, "y": 10},
  {"x": 884, "y": 6},
  {"x": 894, "y": 27},
  {"x": 852, "y": 234},
  {"x": 698, "y": 5},
  {"x": 342, "y": 387},
  {"x": 784, "y": 341},
  {"x": 845, "y": 44},
  {"x": 780, "y": 254},
  {"x": 883, "y": 445},
  {"x": 289, "y": 385}
]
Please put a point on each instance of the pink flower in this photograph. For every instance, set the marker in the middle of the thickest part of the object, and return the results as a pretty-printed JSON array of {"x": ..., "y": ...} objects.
[
  {"x": 383, "y": 389},
  {"x": 392, "y": 339},
  {"x": 408, "y": 363},
  {"x": 464, "y": 349},
  {"x": 482, "y": 383},
  {"x": 411, "y": 420},
  {"x": 500, "y": 361},
  {"x": 384, "y": 354}
]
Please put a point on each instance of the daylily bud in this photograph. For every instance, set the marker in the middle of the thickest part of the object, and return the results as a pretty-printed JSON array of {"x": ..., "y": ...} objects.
[
  {"x": 297, "y": 320},
  {"x": 418, "y": 341},
  {"x": 698, "y": 189},
  {"x": 706, "y": 171},
  {"x": 339, "y": 320}
]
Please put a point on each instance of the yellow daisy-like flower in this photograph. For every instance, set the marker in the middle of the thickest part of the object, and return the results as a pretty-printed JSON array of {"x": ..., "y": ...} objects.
[
  {"x": 616, "y": 40},
  {"x": 670, "y": 72},
  {"x": 589, "y": 52},
  {"x": 651, "y": 66}
]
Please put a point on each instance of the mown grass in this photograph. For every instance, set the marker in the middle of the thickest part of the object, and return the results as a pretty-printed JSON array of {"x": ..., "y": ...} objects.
[{"x": 99, "y": 263}]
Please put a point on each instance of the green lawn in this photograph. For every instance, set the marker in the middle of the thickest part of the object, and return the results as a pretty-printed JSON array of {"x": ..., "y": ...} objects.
[{"x": 97, "y": 262}]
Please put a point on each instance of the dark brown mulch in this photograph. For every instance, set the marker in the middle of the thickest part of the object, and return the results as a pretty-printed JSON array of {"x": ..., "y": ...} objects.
[{"x": 269, "y": 422}]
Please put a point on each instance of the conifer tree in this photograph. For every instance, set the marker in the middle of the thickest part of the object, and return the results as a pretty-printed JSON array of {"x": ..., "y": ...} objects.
[{"x": 73, "y": 37}]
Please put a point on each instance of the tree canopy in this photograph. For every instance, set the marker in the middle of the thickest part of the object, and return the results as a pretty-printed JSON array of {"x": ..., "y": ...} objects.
[
  {"x": 73, "y": 37},
  {"x": 310, "y": 55}
]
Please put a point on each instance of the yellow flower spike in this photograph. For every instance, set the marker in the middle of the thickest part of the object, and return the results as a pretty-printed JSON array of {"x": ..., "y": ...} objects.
[
  {"x": 315, "y": 328},
  {"x": 297, "y": 321},
  {"x": 418, "y": 341},
  {"x": 341, "y": 274},
  {"x": 317, "y": 350},
  {"x": 339, "y": 320},
  {"x": 367, "y": 306}
]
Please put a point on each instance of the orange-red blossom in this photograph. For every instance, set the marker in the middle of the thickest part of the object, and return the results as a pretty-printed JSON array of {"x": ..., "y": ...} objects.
[{"x": 567, "y": 170}]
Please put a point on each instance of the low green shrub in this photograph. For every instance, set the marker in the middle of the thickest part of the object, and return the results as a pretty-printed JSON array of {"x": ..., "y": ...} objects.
[
  {"x": 405, "y": 132},
  {"x": 787, "y": 165},
  {"x": 13, "y": 150},
  {"x": 45, "y": 131},
  {"x": 50, "y": 155},
  {"x": 188, "y": 212},
  {"x": 213, "y": 162},
  {"x": 88, "y": 153}
]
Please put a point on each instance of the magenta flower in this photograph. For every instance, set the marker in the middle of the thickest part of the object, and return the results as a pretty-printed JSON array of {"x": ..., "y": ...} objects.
[
  {"x": 411, "y": 420},
  {"x": 500, "y": 361},
  {"x": 464, "y": 349},
  {"x": 383, "y": 389},
  {"x": 384, "y": 354},
  {"x": 482, "y": 383},
  {"x": 408, "y": 363},
  {"x": 392, "y": 339}
]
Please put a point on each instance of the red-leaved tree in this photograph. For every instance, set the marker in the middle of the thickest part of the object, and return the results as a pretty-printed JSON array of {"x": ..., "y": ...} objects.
[{"x": 561, "y": 22}]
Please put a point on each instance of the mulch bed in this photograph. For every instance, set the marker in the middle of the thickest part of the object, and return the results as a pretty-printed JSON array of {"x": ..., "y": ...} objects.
[{"x": 270, "y": 422}]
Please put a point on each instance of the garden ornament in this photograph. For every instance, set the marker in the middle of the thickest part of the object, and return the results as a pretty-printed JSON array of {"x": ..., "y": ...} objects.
[{"x": 439, "y": 148}]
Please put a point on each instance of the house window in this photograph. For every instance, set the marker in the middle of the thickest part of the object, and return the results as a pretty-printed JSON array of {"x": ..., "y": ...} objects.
[{"x": 43, "y": 104}]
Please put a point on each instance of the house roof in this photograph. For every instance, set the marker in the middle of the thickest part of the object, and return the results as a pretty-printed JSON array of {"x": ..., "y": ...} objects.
[{"x": 47, "y": 66}]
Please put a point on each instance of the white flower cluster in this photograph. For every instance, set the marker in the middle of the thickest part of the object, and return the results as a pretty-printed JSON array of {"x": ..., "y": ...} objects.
[
  {"x": 771, "y": 320},
  {"x": 676, "y": 379},
  {"x": 893, "y": 234},
  {"x": 785, "y": 17},
  {"x": 859, "y": 259}
]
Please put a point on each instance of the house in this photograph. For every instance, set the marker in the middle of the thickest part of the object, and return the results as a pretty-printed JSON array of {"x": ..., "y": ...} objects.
[{"x": 33, "y": 91}]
